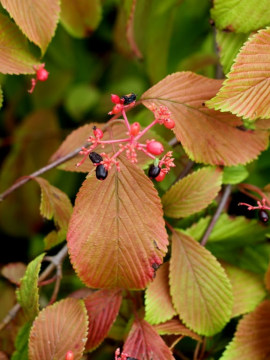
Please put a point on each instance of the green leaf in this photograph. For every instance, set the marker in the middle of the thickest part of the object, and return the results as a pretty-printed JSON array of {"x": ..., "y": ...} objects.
[
  {"x": 27, "y": 293},
  {"x": 1, "y": 97},
  {"x": 193, "y": 193},
  {"x": 240, "y": 16},
  {"x": 200, "y": 288},
  {"x": 81, "y": 17},
  {"x": 21, "y": 343},
  {"x": 15, "y": 57},
  {"x": 234, "y": 174}
]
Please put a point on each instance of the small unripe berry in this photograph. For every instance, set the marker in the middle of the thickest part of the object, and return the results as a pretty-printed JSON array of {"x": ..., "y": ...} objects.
[
  {"x": 116, "y": 109},
  {"x": 160, "y": 176},
  {"x": 135, "y": 128},
  {"x": 115, "y": 99},
  {"x": 154, "y": 147},
  {"x": 169, "y": 123},
  {"x": 263, "y": 216},
  {"x": 69, "y": 355},
  {"x": 42, "y": 74},
  {"x": 95, "y": 157},
  {"x": 97, "y": 132},
  {"x": 153, "y": 171},
  {"x": 101, "y": 172}
]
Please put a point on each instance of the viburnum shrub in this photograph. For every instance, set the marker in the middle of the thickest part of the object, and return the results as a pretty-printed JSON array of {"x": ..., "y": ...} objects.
[{"x": 162, "y": 250}]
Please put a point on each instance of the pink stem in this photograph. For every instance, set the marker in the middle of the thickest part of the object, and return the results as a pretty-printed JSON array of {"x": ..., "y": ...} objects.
[
  {"x": 118, "y": 152},
  {"x": 145, "y": 130},
  {"x": 114, "y": 141},
  {"x": 126, "y": 119},
  {"x": 148, "y": 154}
]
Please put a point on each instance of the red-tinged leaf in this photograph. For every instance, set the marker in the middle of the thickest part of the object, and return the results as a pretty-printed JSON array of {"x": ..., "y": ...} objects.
[
  {"x": 14, "y": 272},
  {"x": 81, "y": 17},
  {"x": 207, "y": 136},
  {"x": 57, "y": 329},
  {"x": 116, "y": 233},
  {"x": 15, "y": 57},
  {"x": 245, "y": 92},
  {"x": 36, "y": 18},
  {"x": 3, "y": 356},
  {"x": 252, "y": 337},
  {"x": 144, "y": 343},
  {"x": 158, "y": 302},
  {"x": 200, "y": 289},
  {"x": 267, "y": 278},
  {"x": 193, "y": 193},
  {"x": 175, "y": 327},
  {"x": 102, "y": 308},
  {"x": 54, "y": 204},
  {"x": 247, "y": 287}
]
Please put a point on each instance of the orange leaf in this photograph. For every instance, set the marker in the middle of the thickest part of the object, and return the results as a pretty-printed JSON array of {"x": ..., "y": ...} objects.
[
  {"x": 102, "y": 307},
  {"x": 175, "y": 327},
  {"x": 14, "y": 272},
  {"x": 252, "y": 338},
  {"x": 57, "y": 329},
  {"x": 144, "y": 343},
  {"x": 158, "y": 302},
  {"x": 116, "y": 234},
  {"x": 207, "y": 136},
  {"x": 36, "y": 18}
]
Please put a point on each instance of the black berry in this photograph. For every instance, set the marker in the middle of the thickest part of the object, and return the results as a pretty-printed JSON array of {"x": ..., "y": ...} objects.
[
  {"x": 131, "y": 358},
  {"x": 128, "y": 99},
  {"x": 95, "y": 157},
  {"x": 153, "y": 171},
  {"x": 101, "y": 172},
  {"x": 263, "y": 216}
]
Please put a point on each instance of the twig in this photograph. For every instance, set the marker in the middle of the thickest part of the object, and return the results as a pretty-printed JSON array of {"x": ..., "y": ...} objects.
[
  {"x": 221, "y": 205},
  {"x": 185, "y": 171}
]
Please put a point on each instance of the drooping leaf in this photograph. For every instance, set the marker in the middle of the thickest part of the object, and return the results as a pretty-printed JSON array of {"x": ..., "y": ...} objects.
[
  {"x": 21, "y": 343},
  {"x": 234, "y": 174},
  {"x": 36, "y": 18},
  {"x": 245, "y": 92},
  {"x": 54, "y": 204},
  {"x": 80, "y": 18},
  {"x": 27, "y": 293},
  {"x": 15, "y": 57},
  {"x": 252, "y": 337},
  {"x": 199, "y": 129},
  {"x": 143, "y": 342},
  {"x": 267, "y": 278},
  {"x": 229, "y": 44},
  {"x": 207, "y": 305},
  {"x": 240, "y": 16},
  {"x": 102, "y": 308},
  {"x": 158, "y": 302},
  {"x": 57, "y": 329},
  {"x": 248, "y": 290},
  {"x": 175, "y": 327},
  {"x": 14, "y": 272},
  {"x": 193, "y": 193},
  {"x": 114, "y": 238}
]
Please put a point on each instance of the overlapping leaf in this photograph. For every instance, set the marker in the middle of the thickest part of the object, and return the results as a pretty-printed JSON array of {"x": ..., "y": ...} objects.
[
  {"x": 27, "y": 293},
  {"x": 252, "y": 338},
  {"x": 158, "y": 302},
  {"x": 116, "y": 234},
  {"x": 207, "y": 304},
  {"x": 234, "y": 174},
  {"x": 207, "y": 136},
  {"x": 36, "y": 18},
  {"x": 246, "y": 90},
  {"x": 14, "y": 272},
  {"x": 21, "y": 343},
  {"x": 102, "y": 308},
  {"x": 80, "y": 17},
  {"x": 15, "y": 57},
  {"x": 193, "y": 193},
  {"x": 143, "y": 342},
  {"x": 57, "y": 329},
  {"x": 240, "y": 16},
  {"x": 175, "y": 327},
  {"x": 247, "y": 287}
]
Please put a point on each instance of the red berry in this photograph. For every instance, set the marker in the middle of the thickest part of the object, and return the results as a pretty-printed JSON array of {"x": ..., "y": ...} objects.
[
  {"x": 69, "y": 355},
  {"x": 42, "y": 74},
  {"x": 116, "y": 109},
  {"x": 115, "y": 99},
  {"x": 154, "y": 147},
  {"x": 161, "y": 176},
  {"x": 135, "y": 128},
  {"x": 169, "y": 123},
  {"x": 98, "y": 132}
]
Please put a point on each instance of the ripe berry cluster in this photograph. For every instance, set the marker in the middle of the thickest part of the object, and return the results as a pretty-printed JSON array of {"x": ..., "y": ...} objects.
[{"x": 131, "y": 144}]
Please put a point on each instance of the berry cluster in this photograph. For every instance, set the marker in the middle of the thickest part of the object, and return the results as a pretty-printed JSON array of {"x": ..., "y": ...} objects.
[
  {"x": 263, "y": 215},
  {"x": 131, "y": 144},
  {"x": 123, "y": 356}
]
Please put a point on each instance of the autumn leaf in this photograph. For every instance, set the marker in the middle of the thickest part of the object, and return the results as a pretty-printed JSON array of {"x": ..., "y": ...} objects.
[
  {"x": 14, "y": 272},
  {"x": 58, "y": 328},
  {"x": 252, "y": 337},
  {"x": 245, "y": 92},
  {"x": 207, "y": 136},
  {"x": 207, "y": 305},
  {"x": 192, "y": 193},
  {"x": 158, "y": 302},
  {"x": 116, "y": 235},
  {"x": 36, "y": 18},
  {"x": 144, "y": 343},
  {"x": 102, "y": 307},
  {"x": 175, "y": 327}
]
